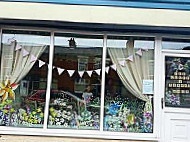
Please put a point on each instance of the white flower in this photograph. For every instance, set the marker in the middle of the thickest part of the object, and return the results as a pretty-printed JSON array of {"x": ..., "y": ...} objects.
[
  {"x": 62, "y": 120},
  {"x": 58, "y": 123}
]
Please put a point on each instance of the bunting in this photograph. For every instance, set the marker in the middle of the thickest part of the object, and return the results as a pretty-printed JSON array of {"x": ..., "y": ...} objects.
[
  {"x": 33, "y": 58},
  {"x": 24, "y": 52},
  {"x": 18, "y": 47},
  {"x": 71, "y": 72},
  {"x": 60, "y": 70},
  {"x": 114, "y": 67},
  {"x": 98, "y": 71},
  {"x": 122, "y": 63},
  {"x": 130, "y": 58},
  {"x": 89, "y": 73},
  {"x": 139, "y": 52},
  {"x": 107, "y": 69},
  {"x": 41, "y": 63},
  {"x": 81, "y": 73}
]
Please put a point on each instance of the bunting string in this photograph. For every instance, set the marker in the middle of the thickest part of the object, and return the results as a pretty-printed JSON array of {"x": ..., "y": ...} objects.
[{"x": 60, "y": 70}]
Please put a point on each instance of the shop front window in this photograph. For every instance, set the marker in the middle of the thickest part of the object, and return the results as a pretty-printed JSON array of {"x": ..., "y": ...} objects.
[
  {"x": 128, "y": 105},
  {"x": 76, "y": 82},
  {"x": 23, "y": 78},
  {"x": 75, "y": 100}
]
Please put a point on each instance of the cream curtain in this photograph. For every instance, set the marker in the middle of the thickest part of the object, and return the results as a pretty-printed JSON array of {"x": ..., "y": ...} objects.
[
  {"x": 133, "y": 73},
  {"x": 14, "y": 65}
]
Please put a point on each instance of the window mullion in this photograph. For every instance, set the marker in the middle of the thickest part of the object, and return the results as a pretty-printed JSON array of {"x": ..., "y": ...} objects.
[
  {"x": 49, "y": 80},
  {"x": 103, "y": 83}
]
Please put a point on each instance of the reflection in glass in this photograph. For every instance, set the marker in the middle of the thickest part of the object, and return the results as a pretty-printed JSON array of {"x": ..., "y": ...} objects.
[
  {"x": 175, "y": 44},
  {"x": 23, "y": 80},
  {"x": 75, "y": 92},
  {"x": 128, "y": 107},
  {"x": 177, "y": 93}
]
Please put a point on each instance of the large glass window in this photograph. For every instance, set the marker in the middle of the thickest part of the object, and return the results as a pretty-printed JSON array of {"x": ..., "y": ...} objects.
[
  {"x": 23, "y": 77},
  {"x": 75, "y": 91},
  {"x": 76, "y": 82},
  {"x": 129, "y": 84}
]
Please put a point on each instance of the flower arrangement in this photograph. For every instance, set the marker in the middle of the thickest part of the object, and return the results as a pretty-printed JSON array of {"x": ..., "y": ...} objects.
[{"x": 127, "y": 115}]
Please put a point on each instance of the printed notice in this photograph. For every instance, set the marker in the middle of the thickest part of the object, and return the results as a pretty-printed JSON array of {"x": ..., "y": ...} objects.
[{"x": 148, "y": 86}]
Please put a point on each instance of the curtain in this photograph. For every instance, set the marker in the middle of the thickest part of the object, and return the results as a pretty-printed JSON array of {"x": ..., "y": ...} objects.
[
  {"x": 16, "y": 66},
  {"x": 133, "y": 73}
]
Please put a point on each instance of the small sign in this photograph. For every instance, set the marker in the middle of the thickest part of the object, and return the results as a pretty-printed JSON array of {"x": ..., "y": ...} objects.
[{"x": 148, "y": 86}]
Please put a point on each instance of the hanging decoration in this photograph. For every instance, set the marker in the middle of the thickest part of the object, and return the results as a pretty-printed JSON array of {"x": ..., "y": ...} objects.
[
  {"x": 7, "y": 90},
  {"x": 81, "y": 73},
  {"x": 107, "y": 69},
  {"x": 122, "y": 63},
  {"x": 60, "y": 70},
  {"x": 18, "y": 47},
  {"x": 114, "y": 67},
  {"x": 24, "y": 52},
  {"x": 89, "y": 73},
  {"x": 71, "y": 72},
  {"x": 130, "y": 58},
  {"x": 139, "y": 52},
  {"x": 98, "y": 71},
  {"x": 33, "y": 58},
  {"x": 41, "y": 63}
]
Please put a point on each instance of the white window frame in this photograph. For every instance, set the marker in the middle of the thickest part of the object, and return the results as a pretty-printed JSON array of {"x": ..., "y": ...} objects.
[{"x": 92, "y": 133}]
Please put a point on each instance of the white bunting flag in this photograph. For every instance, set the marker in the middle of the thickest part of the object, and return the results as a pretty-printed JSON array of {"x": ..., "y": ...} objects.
[
  {"x": 33, "y": 58},
  {"x": 54, "y": 67},
  {"x": 60, "y": 70},
  {"x": 122, "y": 63},
  {"x": 89, "y": 73},
  {"x": 98, "y": 71},
  {"x": 81, "y": 73},
  {"x": 130, "y": 58},
  {"x": 11, "y": 40},
  {"x": 114, "y": 67},
  {"x": 41, "y": 63},
  {"x": 18, "y": 47},
  {"x": 71, "y": 72},
  {"x": 24, "y": 53},
  {"x": 107, "y": 69},
  {"x": 139, "y": 52}
]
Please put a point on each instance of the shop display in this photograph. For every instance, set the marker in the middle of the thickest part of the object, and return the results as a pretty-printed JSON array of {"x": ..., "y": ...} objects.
[{"x": 122, "y": 114}]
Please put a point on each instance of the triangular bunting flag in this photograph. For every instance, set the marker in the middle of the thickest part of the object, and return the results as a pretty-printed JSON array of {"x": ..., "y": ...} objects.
[
  {"x": 107, "y": 69},
  {"x": 130, "y": 58},
  {"x": 18, "y": 47},
  {"x": 122, "y": 63},
  {"x": 139, "y": 52},
  {"x": 11, "y": 40},
  {"x": 81, "y": 73},
  {"x": 114, "y": 67},
  {"x": 98, "y": 71},
  {"x": 24, "y": 53},
  {"x": 41, "y": 63},
  {"x": 71, "y": 72},
  {"x": 60, "y": 70},
  {"x": 89, "y": 73},
  {"x": 33, "y": 58}
]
